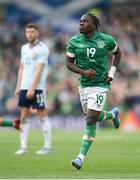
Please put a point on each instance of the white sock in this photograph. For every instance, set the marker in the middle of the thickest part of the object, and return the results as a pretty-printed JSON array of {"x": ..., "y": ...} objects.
[
  {"x": 113, "y": 116},
  {"x": 81, "y": 156},
  {"x": 47, "y": 132},
  {"x": 24, "y": 129}
]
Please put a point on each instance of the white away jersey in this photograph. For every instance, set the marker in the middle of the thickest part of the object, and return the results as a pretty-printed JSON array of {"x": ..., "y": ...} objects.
[{"x": 30, "y": 58}]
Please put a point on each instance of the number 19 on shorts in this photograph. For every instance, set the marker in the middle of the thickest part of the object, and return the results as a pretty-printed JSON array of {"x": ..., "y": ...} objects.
[{"x": 99, "y": 99}]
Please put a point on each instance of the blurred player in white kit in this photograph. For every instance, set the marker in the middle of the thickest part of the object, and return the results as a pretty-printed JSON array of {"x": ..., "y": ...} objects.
[{"x": 31, "y": 88}]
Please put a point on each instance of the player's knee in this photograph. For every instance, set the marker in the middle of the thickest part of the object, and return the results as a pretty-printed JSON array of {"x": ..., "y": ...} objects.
[
  {"x": 91, "y": 139},
  {"x": 91, "y": 120},
  {"x": 23, "y": 120},
  {"x": 42, "y": 114}
]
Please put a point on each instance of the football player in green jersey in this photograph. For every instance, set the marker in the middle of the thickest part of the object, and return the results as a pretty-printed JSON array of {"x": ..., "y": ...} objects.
[{"x": 87, "y": 55}]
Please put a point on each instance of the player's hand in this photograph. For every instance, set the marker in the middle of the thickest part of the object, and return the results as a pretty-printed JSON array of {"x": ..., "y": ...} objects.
[
  {"x": 30, "y": 94},
  {"x": 89, "y": 73},
  {"x": 110, "y": 75},
  {"x": 17, "y": 91},
  {"x": 109, "y": 79}
]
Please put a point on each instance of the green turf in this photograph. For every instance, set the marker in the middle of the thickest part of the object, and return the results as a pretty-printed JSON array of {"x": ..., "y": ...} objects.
[{"x": 114, "y": 155}]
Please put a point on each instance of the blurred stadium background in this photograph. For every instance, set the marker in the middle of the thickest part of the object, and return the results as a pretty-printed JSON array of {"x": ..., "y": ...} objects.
[{"x": 59, "y": 20}]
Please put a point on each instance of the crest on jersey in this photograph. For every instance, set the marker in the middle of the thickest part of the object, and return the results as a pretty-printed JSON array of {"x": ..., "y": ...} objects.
[
  {"x": 34, "y": 54},
  {"x": 101, "y": 44}
]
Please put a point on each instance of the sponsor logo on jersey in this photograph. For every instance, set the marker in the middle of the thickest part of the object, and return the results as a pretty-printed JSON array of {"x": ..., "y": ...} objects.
[
  {"x": 101, "y": 44},
  {"x": 92, "y": 60}
]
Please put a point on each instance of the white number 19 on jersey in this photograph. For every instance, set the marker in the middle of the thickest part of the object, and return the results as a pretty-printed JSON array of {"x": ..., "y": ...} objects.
[{"x": 90, "y": 52}]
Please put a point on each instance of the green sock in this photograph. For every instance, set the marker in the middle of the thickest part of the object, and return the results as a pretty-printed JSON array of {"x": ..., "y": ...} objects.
[
  {"x": 6, "y": 123},
  {"x": 90, "y": 132},
  {"x": 105, "y": 115}
]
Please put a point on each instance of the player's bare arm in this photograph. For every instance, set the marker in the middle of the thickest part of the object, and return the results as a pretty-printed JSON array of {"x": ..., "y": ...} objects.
[
  {"x": 116, "y": 61},
  {"x": 38, "y": 72},
  {"x": 19, "y": 80},
  {"x": 89, "y": 73}
]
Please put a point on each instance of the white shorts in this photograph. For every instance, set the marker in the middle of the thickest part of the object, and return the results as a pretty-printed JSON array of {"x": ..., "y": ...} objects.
[{"x": 92, "y": 98}]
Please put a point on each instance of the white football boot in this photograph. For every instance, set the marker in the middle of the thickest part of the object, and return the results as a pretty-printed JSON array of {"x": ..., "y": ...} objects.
[
  {"x": 21, "y": 151},
  {"x": 43, "y": 151}
]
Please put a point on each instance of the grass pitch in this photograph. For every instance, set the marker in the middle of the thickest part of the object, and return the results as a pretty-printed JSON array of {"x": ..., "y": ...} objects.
[{"x": 114, "y": 155}]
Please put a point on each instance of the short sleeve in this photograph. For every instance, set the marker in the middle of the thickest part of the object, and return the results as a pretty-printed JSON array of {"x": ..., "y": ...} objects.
[
  {"x": 111, "y": 43},
  {"x": 71, "y": 48}
]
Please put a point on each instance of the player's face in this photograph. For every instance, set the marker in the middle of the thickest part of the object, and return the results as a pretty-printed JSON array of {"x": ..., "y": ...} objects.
[
  {"x": 31, "y": 34},
  {"x": 86, "y": 25}
]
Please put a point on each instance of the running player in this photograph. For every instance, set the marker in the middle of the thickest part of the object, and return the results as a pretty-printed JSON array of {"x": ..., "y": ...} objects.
[{"x": 87, "y": 55}]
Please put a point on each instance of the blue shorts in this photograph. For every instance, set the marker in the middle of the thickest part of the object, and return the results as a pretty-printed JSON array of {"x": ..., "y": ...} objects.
[{"x": 37, "y": 102}]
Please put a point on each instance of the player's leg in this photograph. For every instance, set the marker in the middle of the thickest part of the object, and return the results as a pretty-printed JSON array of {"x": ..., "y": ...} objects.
[
  {"x": 111, "y": 115},
  {"x": 24, "y": 130},
  {"x": 7, "y": 123},
  {"x": 24, "y": 122},
  {"x": 92, "y": 109},
  {"x": 47, "y": 132},
  {"x": 88, "y": 137},
  {"x": 39, "y": 103}
]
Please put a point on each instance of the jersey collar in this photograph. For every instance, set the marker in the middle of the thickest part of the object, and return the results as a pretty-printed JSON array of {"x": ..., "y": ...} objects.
[
  {"x": 31, "y": 47},
  {"x": 92, "y": 38}
]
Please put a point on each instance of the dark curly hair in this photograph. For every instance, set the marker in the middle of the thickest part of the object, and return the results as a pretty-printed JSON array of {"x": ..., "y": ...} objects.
[{"x": 95, "y": 20}]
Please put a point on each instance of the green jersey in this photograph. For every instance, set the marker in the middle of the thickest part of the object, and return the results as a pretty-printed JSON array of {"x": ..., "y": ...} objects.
[{"x": 92, "y": 54}]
